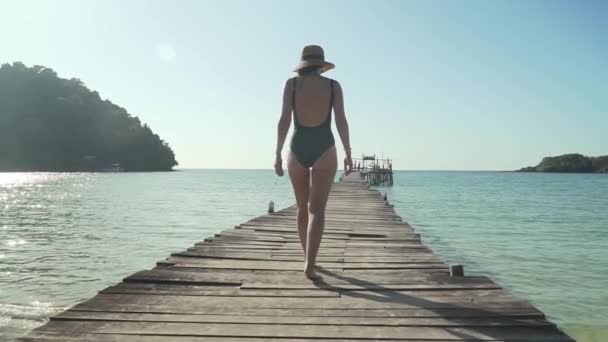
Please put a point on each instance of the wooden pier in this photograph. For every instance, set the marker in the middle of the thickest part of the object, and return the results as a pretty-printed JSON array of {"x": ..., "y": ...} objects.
[
  {"x": 246, "y": 284},
  {"x": 375, "y": 171}
]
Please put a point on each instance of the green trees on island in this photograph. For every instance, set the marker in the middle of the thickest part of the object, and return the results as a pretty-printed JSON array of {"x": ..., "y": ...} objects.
[
  {"x": 52, "y": 124},
  {"x": 571, "y": 163}
]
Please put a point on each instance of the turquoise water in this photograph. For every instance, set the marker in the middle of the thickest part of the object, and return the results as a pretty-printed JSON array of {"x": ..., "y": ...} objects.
[
  {"x": 63, "y": 237},
  {"x": 543, "y": 236}
]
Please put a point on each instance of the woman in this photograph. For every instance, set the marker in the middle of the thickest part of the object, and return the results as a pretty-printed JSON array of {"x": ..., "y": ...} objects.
[{"x": 312, "y": 160}]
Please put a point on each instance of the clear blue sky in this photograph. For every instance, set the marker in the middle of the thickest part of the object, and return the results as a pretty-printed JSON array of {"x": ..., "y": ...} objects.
[{"x": 485, "y": 85}]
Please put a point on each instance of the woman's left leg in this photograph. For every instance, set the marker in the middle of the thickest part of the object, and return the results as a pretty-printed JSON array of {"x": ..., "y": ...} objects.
[
  {"x": 322, "y": 178},
  {"x": 300, "y": 180}
]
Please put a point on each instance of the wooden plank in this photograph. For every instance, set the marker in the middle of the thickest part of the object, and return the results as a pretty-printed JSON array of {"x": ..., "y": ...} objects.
[
  {"x": 424, "y": 285},
  {"x": 269, "y": 263},
  {"x": 218, "y": 291},
  {"x": 47, "y": 336},
  {"x": 371, "y": 301},
  {"x": 290, "y": 228},
  {"x": 413, "y": 258},
  {"x": 297, "y": 331},
  {"x": 237, "y": 277},
  {"x": 243, "y": 264},
  {"x": 293, "y": 320},
  {"x": 255, "y": 256},
  {"x": 521, "y": 313},
  {"x": 187, "y": 267}
]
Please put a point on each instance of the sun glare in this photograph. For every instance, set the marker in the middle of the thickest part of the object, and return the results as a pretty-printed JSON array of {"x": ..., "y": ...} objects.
[{"x": 165, "y": 52}]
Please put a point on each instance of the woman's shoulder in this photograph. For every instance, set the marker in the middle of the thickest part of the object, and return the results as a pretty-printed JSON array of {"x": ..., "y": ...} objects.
[
  {"x": 334, "y": 81},
  {"x": 288, "y": 84}
]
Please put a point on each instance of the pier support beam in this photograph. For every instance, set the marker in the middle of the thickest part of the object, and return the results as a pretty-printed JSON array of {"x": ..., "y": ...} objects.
[{"x": 456, "y": 270}]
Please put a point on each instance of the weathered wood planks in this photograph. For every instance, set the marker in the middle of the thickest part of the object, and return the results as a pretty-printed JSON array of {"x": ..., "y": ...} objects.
[{"x": 245, "y": 284}]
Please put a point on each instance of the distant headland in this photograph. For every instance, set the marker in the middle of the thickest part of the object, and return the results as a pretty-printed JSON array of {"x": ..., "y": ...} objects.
[
  {"x": 49, "y": 123},
  {"x": 570, "y": 163}
]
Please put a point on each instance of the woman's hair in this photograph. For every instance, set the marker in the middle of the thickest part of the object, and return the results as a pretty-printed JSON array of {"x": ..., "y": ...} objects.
[{"x": 309, "y": 70}]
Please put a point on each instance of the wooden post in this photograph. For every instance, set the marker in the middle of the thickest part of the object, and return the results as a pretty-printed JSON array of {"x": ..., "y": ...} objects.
[
  {"x": 456, "y": 270},
  {"x": 271, "y": 207}
]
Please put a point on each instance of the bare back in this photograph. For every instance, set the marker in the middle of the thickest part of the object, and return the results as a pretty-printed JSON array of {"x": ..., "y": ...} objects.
[{"x": 312, "y": 96}]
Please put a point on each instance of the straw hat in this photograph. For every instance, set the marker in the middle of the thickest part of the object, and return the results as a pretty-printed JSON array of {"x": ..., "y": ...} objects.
[{"x": 313, "y": 55}]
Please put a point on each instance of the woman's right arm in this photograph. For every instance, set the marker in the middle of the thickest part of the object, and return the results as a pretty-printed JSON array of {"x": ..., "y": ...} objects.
[
  {"x": 342, "y": 124},
  {"x": 283, "y": 126}
]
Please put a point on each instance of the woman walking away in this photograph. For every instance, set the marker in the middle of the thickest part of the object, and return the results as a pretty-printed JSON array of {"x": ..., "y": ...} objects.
[{"x": 312, "y": 160}]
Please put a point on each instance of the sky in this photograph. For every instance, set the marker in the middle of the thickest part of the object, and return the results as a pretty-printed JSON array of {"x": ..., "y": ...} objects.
[{"x": 434, "y": 85}]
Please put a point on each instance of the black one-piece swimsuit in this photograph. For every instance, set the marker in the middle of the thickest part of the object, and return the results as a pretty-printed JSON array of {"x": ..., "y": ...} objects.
[{"x": 309, "y": 143}]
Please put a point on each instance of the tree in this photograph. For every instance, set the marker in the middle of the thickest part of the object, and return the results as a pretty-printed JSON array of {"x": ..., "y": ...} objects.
[{"x": 52, "y": 124}]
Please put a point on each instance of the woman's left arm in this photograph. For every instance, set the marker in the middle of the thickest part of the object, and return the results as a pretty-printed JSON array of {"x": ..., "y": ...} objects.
[{"x": 283, "y": 126}]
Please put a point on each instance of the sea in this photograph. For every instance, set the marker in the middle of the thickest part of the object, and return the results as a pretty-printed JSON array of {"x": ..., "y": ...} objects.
[{"x": 65, "y": 236}]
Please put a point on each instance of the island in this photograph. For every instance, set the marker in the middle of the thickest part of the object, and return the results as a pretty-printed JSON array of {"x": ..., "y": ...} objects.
[
  {"x": 570, "y": 163},
  {"x": 48, "y": 123}
]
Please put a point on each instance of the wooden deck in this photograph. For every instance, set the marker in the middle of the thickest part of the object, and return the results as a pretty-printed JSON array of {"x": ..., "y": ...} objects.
[{"x": 246, "y": 284}]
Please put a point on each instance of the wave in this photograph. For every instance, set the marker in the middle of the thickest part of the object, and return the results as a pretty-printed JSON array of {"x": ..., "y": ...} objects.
[
  {"x": 35, "y": 311},
  {"x": 17, "y": 319}
]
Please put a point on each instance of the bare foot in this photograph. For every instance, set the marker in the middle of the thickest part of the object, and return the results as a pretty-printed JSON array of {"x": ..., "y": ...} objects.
[{"x": 310, "y": 273}]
